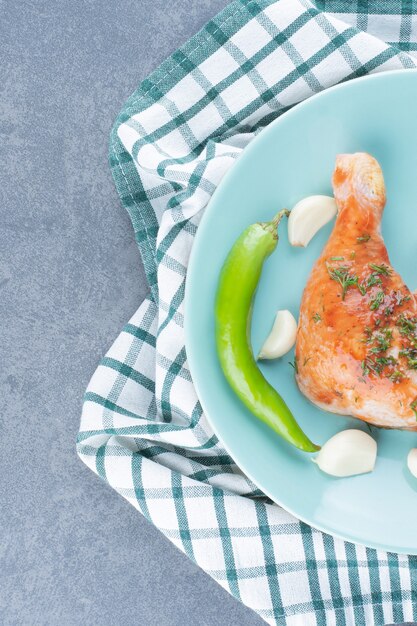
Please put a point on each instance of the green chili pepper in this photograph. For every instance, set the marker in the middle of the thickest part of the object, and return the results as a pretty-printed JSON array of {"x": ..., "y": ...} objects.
[{"x": 233, "y": 311}]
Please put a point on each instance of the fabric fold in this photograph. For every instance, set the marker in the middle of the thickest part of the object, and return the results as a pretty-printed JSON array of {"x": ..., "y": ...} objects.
[{"x": 142, "y": 427}]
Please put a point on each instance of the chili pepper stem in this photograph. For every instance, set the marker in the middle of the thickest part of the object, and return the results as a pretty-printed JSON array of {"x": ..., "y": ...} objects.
[
  {"x": 276, "y": 220},
  {"x": 273, "y": 224}
]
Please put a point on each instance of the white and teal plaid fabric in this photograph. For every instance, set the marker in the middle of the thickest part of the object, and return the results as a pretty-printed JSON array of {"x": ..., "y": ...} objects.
[{"x": 142, "y": 427}]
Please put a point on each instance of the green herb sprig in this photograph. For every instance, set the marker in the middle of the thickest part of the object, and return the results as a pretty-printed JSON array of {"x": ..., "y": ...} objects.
[
  {"x": 294, "y": 365},
  {"x": 381, "y": 269},
  {"x": 411, "y": 355},
  {"x": 376, "y": 301},
  {"x": 343, "y": 276},
  {"x": 406, "y": 325}
]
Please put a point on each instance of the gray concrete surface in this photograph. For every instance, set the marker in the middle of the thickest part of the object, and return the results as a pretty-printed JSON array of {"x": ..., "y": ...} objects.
[{"x": 72, "y": 552}]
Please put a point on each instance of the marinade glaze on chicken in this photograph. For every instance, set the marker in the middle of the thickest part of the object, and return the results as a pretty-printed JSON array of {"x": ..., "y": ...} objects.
[{"x": 356, "y": 350}]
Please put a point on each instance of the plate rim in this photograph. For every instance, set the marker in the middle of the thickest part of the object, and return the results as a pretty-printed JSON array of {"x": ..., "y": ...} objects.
[{"x": 192, "y": 357}]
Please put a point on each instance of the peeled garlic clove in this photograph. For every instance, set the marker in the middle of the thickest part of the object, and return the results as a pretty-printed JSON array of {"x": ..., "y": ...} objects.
[
  {"x": 281, "y": 338},
  {"x": 412, "y": 461},
  {"x": 348, "y": 453},
  {"x": 308, "y": 216}
]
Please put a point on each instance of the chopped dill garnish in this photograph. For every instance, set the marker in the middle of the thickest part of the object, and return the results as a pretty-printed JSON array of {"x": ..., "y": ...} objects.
[
  {"x": 317, "y": 318},
  {"x": 337, "y": 258},
  {"x": 343, "y": 277},
  {"x": 411, "y": 355},
  {"x": 376, "y": 302},
  {"x": 362, "y": 288},
  {"x": 377, "y": 365},
  {"x": 396, "y": 376},
  {"x": 381, "y": 269},
  {"x": 383, "y": 360},
  {"x": 413, "y": 406},
  {"x": 352, "y": 254},
  {"x": 365, "y": 237},
  {"x": 379, "y": 339},
  {"x": 406, "y": 325},
  {"x": 383, "y": 339},
  {"x": 399, "y": 298},
  {"x": 294, "y": 365},
  {"x": 372, "y": 280}
]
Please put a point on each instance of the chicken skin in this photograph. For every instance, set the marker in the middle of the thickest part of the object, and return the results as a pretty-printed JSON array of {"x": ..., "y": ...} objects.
[{"x": 356, "y": 349}]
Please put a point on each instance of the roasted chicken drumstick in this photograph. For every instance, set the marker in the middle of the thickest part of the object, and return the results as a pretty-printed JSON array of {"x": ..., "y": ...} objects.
[{"x": 356, "y": 350}]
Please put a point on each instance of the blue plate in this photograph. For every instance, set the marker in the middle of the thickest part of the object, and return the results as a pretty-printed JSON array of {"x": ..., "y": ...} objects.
[{"x": 293, "y": 158}]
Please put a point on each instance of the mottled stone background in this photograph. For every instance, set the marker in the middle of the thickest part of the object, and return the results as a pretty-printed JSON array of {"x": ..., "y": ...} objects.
[{"x": 72, "y": 552}]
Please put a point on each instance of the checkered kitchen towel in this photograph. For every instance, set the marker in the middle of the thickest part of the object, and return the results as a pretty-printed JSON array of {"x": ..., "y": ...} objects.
[{"x": 142, "y": 427}]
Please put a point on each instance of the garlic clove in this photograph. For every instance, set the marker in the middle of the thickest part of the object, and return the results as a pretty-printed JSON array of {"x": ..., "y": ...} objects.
[
  {"x": 347, "y": 453},
  {"x": 281, "y": 338},
  {"x": 412, "y": 461},
  {"x": 308, "y": 216}
]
